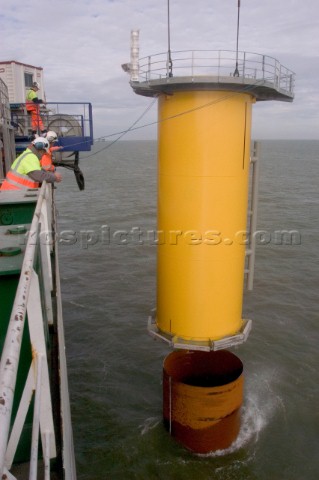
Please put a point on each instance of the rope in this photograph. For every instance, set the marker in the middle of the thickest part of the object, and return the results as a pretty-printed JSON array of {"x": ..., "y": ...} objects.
[
  {"x": 125, "y": 131},
  {"x": 156, "y": 122},
  {"x": 132, "y": 128}
]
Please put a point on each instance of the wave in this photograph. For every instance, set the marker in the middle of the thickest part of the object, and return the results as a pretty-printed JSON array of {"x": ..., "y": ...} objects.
[{"x": 261, "y": 404}]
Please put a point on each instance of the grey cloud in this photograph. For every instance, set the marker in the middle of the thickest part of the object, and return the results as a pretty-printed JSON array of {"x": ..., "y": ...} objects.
[{"x": 81, "y": 50}]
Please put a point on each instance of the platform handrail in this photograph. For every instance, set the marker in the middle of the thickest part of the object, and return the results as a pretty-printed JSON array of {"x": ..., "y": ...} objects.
[
  {"x": 217, "y": 63},
  {"x": 71, "y": 121},
  {"x": 27, "y": 301}
]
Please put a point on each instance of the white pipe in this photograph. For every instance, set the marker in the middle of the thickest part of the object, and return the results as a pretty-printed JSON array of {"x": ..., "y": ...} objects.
[
  {"x": 46, "y": 456},
  {"x": 253, "y": 220},
  {"x": 134, "y": 70},
  {"x": 36, "y": 421},
  {"x": 12, "y": 346}
]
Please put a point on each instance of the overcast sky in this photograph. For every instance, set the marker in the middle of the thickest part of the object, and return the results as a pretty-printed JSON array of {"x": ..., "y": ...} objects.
[{"x": 81, "y": 46}]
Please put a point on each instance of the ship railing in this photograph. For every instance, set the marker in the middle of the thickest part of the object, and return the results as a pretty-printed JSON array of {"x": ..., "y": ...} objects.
[
  {"x": 214, "y": 63},
  {"x": 7, "y": 152},
  {"x": 27, "y": 304},
  {"x": 5, "y": 115},
  {"x": 71, "y": 121}
]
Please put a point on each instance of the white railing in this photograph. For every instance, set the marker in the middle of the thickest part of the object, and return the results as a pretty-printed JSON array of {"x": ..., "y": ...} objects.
[
  {"x": 219, "y": 64},
  {"x": 7, "y": 150},
  {"x": 5, "y": 115},
  {"x": 28, "y": 302}
]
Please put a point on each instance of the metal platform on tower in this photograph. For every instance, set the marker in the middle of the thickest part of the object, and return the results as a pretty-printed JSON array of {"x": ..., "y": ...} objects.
[{"x": 259, "y": 75}]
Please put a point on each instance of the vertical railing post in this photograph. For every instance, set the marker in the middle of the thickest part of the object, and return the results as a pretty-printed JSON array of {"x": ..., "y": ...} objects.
[
  {"x": 36, "y": 421},
  {"x": 192, "y": 63},
  {"x": 46, "y": 456},
  {"x": 149, "y": 66}
]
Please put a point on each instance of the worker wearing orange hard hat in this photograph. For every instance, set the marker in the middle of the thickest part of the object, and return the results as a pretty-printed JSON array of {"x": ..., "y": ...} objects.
[{"x": 33, "y": 109}]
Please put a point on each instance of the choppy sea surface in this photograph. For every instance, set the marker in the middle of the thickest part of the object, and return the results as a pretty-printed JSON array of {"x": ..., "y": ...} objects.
[{"x": 115, "y": 368}]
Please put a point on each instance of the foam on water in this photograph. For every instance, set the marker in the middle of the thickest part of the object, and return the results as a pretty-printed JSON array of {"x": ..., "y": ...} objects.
[
  {"x": 113, "y": 372},
  {"x": 260, "y": 405},
  {"x": 149, "y": 424}
]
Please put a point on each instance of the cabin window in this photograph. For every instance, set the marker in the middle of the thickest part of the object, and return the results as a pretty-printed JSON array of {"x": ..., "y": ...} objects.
[{"x": 28, "y": 79}]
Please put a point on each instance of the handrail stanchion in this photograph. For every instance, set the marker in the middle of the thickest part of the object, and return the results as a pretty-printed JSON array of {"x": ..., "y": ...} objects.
[
  {"x": 36, "y": 421},
  {"x": 46, "y": 456}
]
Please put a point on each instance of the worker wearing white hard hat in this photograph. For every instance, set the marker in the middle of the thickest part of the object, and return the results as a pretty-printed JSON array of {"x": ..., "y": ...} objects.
[
  {"x": 46, "y": 159},
  {"x": 26, "y": 172}
]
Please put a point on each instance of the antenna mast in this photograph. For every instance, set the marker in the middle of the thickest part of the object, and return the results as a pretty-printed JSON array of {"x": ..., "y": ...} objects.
[
  {"x": 236, "y": 72},
  {"x": 169, "y": 57}
]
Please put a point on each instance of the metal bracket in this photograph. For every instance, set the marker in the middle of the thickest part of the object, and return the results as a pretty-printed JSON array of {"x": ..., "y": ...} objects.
[{"x": 206, "y": 345}]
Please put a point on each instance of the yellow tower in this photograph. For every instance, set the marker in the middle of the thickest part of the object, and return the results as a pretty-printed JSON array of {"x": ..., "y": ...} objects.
[
  {"x": 204, "y": 139},
  {"x": 202, "y": 209}
]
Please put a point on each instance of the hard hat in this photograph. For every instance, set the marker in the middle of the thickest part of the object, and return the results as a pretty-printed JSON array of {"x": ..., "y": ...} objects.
[
  {"x": 51, "y": 136},
  {"x": 36, "y": 84},
  {"x": 41, "y": 143}
]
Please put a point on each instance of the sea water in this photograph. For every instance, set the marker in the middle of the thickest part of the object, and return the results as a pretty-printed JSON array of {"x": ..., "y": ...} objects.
[{"x": 108, "y": 268}]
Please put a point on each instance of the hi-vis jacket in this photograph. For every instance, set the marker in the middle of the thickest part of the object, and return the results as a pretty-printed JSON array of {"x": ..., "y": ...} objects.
[
  {"x": 32, "y": 100},
  {"x": 46, "y": 159},
  {"x": 17, "y": 177}
]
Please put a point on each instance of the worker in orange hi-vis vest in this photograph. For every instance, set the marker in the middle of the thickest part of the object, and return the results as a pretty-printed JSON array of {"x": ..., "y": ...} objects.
[
  {"x": 26, "y": 171},
  {"x": 33, "y": 109},
  {"x": 46, "y": 159}
]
